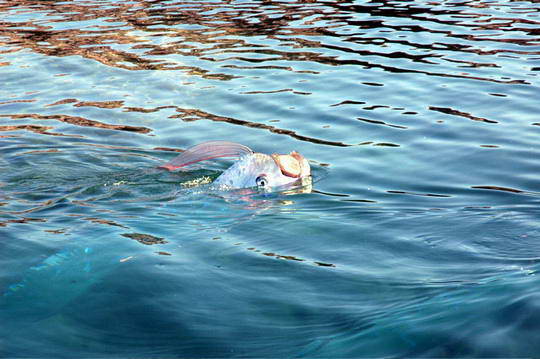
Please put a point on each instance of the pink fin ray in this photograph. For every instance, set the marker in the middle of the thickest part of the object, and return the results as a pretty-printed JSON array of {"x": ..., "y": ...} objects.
[{"x": 206, "y": 151}]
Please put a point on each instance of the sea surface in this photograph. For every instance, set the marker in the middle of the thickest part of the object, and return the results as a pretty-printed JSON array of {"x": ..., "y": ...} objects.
[{"x": 420, "y": 234}]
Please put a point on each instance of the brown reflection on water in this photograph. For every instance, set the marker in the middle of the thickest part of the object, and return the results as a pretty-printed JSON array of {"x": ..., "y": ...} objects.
[
  {"x": 142, "y": 35},
  {"x": 32, "y": 128},
  {"x": 293, "y": 258},
  {"x": 378, "y": 122},
  {"x": 15, "y": 101},
  {"x": 289, "y": 257},
  {"x": 227, "y": 40},
  {"x": 420, "y": 194},
  {"x": 195, "y": 114},
  {"x": 38, "y": 152},
  {"x": 74, "y": 120},
  {"x": 188, "y": 115},
  {"x": 101, "y": 104},
  {"x": 146, "y": 239},
  {"x": 498, "y": 188},
  {"x": 104, "y": 221},
  {"x": 451, "y": 111},
  {"x": 21, "y": 221}
]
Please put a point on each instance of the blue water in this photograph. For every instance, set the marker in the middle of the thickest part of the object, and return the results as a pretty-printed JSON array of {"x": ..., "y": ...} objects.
[{"x": 419, "y": 238}]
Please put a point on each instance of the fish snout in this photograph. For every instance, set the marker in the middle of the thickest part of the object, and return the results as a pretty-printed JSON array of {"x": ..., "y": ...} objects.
[
  {"x": 305, "y": 169},
  {"x": 292, "y": 165}
]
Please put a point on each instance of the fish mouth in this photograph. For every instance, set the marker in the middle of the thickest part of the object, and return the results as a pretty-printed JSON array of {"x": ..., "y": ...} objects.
[{"x": 293, "y": 165}]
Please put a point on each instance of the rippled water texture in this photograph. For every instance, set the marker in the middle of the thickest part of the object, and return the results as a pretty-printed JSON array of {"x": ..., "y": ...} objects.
[{"x": 419, "y": 238}]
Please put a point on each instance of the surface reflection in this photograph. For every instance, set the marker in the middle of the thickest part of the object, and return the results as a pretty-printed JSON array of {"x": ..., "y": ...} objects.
[
  {"x": 224, "y": 41},
  {"x": 209, "y": 31},
  {"x": 135, "y": 35}
]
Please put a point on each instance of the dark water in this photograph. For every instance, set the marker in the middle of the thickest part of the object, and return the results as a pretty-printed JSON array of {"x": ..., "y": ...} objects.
[{"x": 420, "y": 237}]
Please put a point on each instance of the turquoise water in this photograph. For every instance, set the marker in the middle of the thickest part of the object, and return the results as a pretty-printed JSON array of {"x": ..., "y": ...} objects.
[{"x": 419, "y": 238}]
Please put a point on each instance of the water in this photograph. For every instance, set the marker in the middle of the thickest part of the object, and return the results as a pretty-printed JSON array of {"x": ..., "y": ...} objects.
[{"x": 419, "y": 238}]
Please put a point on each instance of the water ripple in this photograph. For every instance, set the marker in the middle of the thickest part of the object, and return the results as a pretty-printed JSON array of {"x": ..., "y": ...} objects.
[{"x": 420, "y": 121}]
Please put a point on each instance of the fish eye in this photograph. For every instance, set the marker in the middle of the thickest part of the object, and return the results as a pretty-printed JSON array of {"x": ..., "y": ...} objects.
[{"x": 261, "y": 181}]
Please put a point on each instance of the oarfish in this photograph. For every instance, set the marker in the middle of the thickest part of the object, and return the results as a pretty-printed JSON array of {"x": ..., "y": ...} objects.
[{"x": 252, "y": 169}]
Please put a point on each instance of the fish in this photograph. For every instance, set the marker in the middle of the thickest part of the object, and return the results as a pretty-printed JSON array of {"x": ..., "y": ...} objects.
[{"x": 252, "y": 169}]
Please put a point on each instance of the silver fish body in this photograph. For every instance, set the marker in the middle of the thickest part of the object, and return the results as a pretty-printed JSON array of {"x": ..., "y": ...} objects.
[
  {"x": 251, "y": 170},
  {"x": 254, "y": 170}
]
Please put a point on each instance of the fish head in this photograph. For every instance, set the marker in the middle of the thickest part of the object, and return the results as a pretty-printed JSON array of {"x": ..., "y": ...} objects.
[{"x": 265, "y": 171}]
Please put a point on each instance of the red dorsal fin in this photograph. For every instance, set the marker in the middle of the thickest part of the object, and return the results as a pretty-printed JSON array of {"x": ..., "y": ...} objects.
[{"x": 207, "y": 151}]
